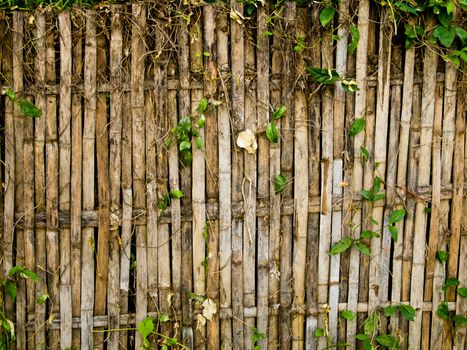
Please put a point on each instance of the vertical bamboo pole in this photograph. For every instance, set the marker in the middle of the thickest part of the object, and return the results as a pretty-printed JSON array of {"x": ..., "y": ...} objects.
[
  {"x": 249, "y": 187},
  {"x": 90, "y": 89},
  {"x": 163, "y": 230},
  {"x": 435, "y": 214},
  {"x": 327, "y": 126},
  {"x": 64, "y": 133},
  {"x": 19, "y": 122},
  {"x": 139, "y": 156},
  {"x": 52, "y": 186},
  {"x": 237, "y": 54},
  {"x": 76, "y": 177},
  {"x": 115, "y": 171},
  {"x": 225, "y": 181},
  {"x": 103, "y": 195},
  {"x": 381, "y": 126},
  {"x": 301, "y": 176},
  {"x": 423, "y": 179},
  {"x": 212, "y": 176},
  {"x": 286, "y": 166},
  {"x": 458, "y": 244},
  {"x": 313, "y": 190},
  {"x": 359, "y": 139},
  {"x": 447, "y": 152},
  {"x": 262, "y": 95},
  {"x": 403, "y": 149},
  {"x": 337, "y": 166},
  {"x": 39, "y": 174},
  {"x": 198, "y": 188},
  {"x": 412, "y": 174},
  {"x": 275, "y": 199}
]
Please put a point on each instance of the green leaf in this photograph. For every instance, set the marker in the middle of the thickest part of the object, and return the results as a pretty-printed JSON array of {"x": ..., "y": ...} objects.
[
  {"x": 376, "y": 184},
  {"x": 203, "y": 105},
  {"x": 443, "y": 311},
  {"x": 396, "y": 216},
  {"x": 201, "y": 121},
  {"x": 350, "y": 86},
  {"x": 279, "y": 112},
  {"x": 326, "y": 15},
  {"x": 271, "y": 133},
  {"x": 386, "y": 340},
  {"x": 199, "y": 142},
  {"x": 23, "y": 272},
  {"x": 365, "y": 153},
  {"x": 280, "y": 182},
  {"x": 361, "y": 337},
  {"x": 357, "y": 126},
  {"x": 42, "y": 299},
  {"x": 163, "y": 202},
  {"x": 319, "y": 332},
  {"x": 370, "y": 324},
  {"x": 146, "y": 327},
  {"x": 406, "y": 8},
  {"x": 348, "y": 315},
  {"x": 10, "y": 287},
  {"x": 462, "y": 292},
  {"x": 29, "y": 109},
  {"x": 10, "y": 94},
  {"x": 462, "y": 34},
  {"x": 450, "y": 282},
  {"x": 393, "y": 232},
  {"x": 363, "y": 248},
  {"x": 176, "y": 194},
  {"x": 184, "y": 145},
  {"x": 378, "y": 197},
  {"x": 171, "y": 341},
  {"x": 369, "y": 234},
  {"x": 164, "y": 318},
  {"x": 390, "y": 310},
  {"x": 355, "y": 34},
  {"x": 324, "y": 76},
  {"x": 407, "y": 311},
  {"x": 445, "y": 18},
  {"x": 341, "y": 246},
  {"x": 444, "y": 35},
  {"x": 460, "y": 320},
  {"x": 442, "y": 256},
  {"x": 367, "y": 194}
]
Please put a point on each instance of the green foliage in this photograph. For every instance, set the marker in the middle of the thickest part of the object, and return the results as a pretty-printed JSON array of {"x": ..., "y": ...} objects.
[
  {"x": 324, "y": 76},
  {"x": 164, "y": 201},
  {"x": 27, "y": 108},
  {"x": 341, "y": 246},
  {"x": 256, "y": 335},
  {"x": 373, "y": 194},
  {"x": 357, "y": 126},
  {"x": 280, "y": 182},
  {"x": 348, "y": 315},
  {"x": 279, "y": 112},
  {"x": 326, "y": 15},
  {"x": 271, "y": 133},
  {"x": 355, "y": 37},
  {"x": 442, "y": 256},
  {"x": 319, "y": 332}
]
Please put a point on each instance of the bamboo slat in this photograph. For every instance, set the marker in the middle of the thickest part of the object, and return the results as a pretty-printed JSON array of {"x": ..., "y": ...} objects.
[
  {"x": 64, "y": 132},
  {"x": 88, "y": 167}
]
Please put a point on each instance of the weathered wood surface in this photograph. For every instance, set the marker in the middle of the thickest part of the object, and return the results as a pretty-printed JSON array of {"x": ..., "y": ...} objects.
[{"x": 84, "y": 184}]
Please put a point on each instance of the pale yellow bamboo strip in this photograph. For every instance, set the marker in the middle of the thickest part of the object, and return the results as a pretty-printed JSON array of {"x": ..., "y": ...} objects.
[
  {"x": 262, "y": 68},
  {"x": 212, "y": 176},
  {"x": 39, "y": 175},
  {"x": 403, "y": 148},
  {"x": 115, "y": 171},
  {"x": 237, "y": 53},
  {"x": 87, "y": 253},
  {"x": 286, "y": 168},
  {"x": 64, "y": 133},
  {"x": 423, "y": 179},
  {"x": 52, "y": 186},
  {"x": 225, "y": 181},
  {"x": 275, "y": 199},
  {"x": 139, "y": 155},
  {"x": 249, "y": 188},
  {"x": 327, "y": 125},
  {"x": 314, "y": 190},
  {"x": 198, "y": 189}
]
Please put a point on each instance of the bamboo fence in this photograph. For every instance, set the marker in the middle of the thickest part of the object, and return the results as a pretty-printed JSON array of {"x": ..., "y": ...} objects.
[{"x": 82, "y": 183}]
